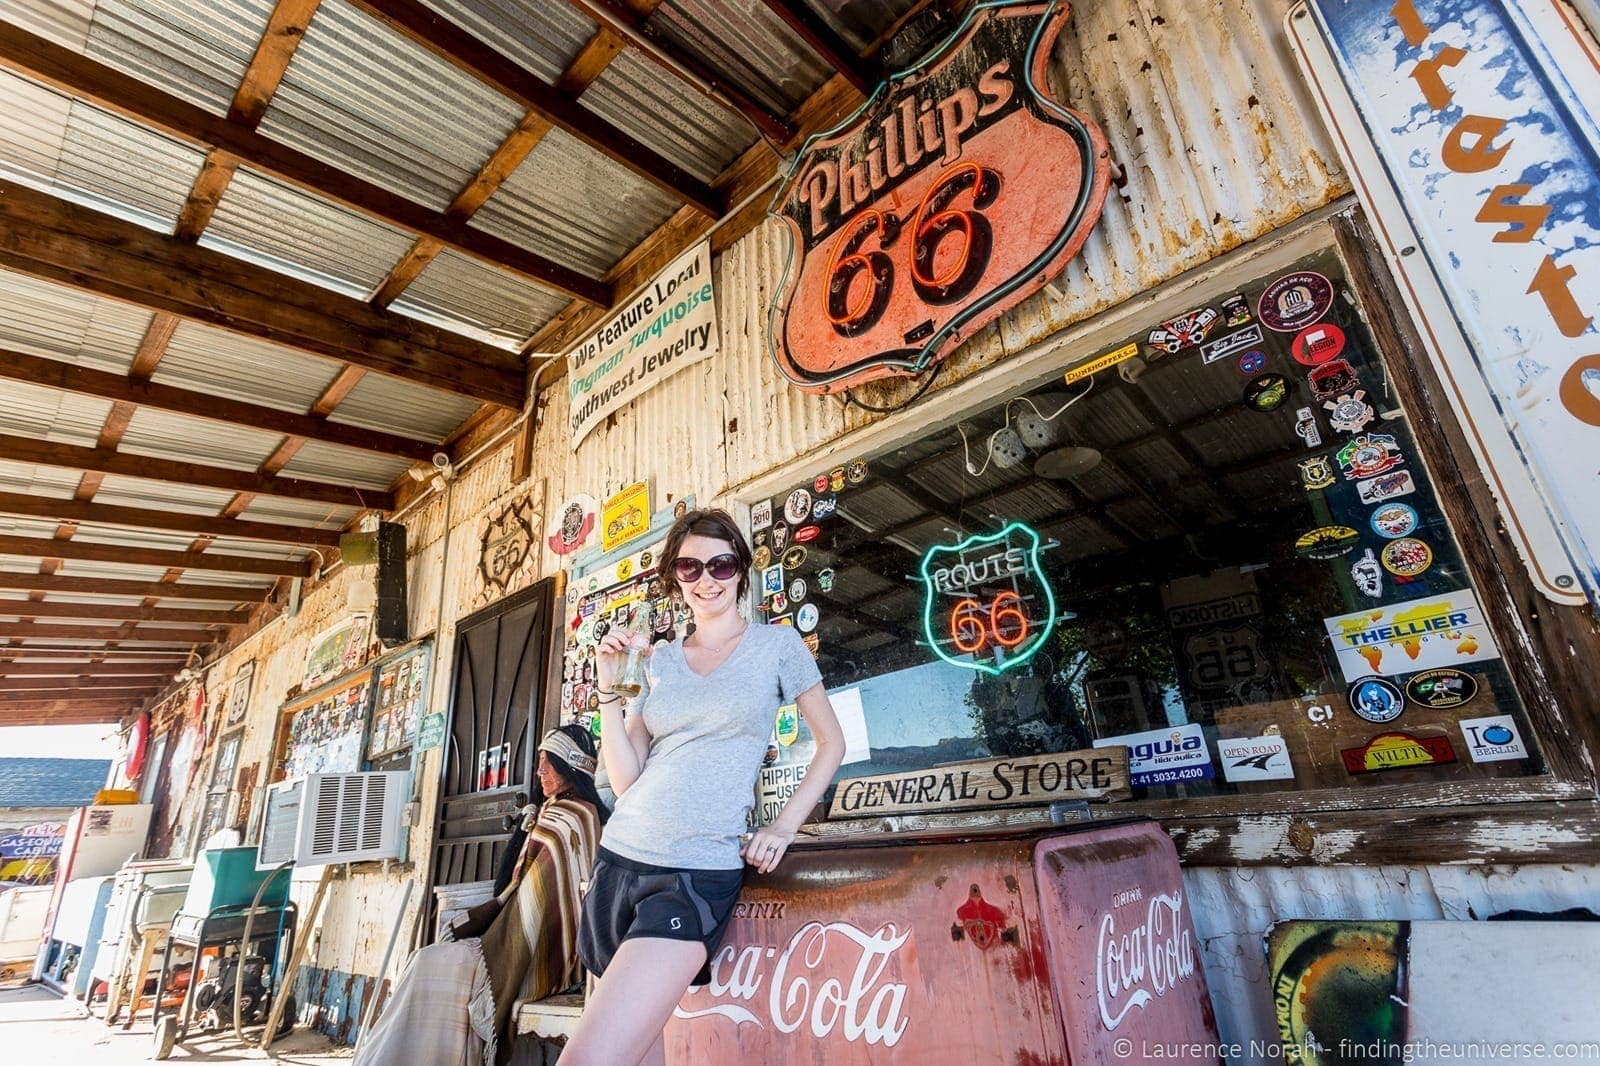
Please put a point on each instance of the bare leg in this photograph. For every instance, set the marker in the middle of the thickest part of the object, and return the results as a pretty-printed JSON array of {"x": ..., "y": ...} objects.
[{"x": 623, "y": 1020}]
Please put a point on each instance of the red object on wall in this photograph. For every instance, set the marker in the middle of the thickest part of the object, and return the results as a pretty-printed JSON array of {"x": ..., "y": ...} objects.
[
  {"x": 956, "y": 191},
  {"x": 1064, "y": 942},
  {"x": 138, "y": 746}
]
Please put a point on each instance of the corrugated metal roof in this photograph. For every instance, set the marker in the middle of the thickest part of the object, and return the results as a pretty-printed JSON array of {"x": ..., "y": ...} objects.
[
  {"x": 382, "y": 402},
  {"x": 206, "y": 359},
  {"x": 161, "y": 495},
  {"x": 27, "y": 527},
  {"x": 572, "y": 204},
  {"x": 285, "y": 229},
  {"x": 470, "y": 297},
  {"x": 194, "y": 51},
  {"x": 297, "y": 512},
  {"x": 365, "y": 99},
  {"x": 43, "y": 318},
  {"x": 703, "y": 136},
  {"x": 47, "y": 414},
  {"x": 860, "y": 24},
  {"x": 345, "y": 466},
  {"x": 541, "y": 37},
  {"x": 76, "y": 151},
  {"x": 49, "y": 481},
  {"x": 163, "y": 435},
  {"x": 222, "y": 577},
  {"x": 749, "y": 45},
  {"x": 259, "y": 549}
]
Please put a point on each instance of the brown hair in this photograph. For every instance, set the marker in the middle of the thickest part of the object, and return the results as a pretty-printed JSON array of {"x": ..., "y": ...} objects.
[{"x": 708, "y": 522}]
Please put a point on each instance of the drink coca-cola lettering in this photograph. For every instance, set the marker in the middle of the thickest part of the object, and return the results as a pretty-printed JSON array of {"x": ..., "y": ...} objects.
[
  {"x": 1135, "y": 964},
  {"x": 815, "y": 982}
]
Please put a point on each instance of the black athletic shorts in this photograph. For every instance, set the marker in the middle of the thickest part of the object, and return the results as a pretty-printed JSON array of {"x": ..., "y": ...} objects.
[{"x": 629, "y": 899}]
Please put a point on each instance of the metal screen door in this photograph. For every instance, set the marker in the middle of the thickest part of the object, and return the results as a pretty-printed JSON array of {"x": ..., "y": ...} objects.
[{"x": 502, "y": 655}]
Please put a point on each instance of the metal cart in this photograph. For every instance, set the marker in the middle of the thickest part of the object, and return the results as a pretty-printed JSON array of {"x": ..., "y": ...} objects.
[{"x": 272, "y": 932}]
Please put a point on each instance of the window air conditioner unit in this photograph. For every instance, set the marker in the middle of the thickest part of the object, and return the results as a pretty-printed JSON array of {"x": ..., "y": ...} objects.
[{"x": 321, "y": 819}]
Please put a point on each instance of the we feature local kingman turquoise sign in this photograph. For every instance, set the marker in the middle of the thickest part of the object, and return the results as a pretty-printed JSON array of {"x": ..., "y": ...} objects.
[{"x": 987, "y": 604}]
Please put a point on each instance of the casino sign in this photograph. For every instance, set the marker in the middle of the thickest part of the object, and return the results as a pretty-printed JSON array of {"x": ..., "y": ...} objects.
[{"x": 954, "y": 193}]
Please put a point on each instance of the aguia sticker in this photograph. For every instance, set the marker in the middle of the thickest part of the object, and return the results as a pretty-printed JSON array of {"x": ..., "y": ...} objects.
[{"x": 1165, "y": 756}]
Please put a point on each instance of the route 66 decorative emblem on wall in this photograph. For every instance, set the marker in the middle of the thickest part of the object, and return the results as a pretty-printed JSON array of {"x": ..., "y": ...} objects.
[{"x": 506, "y": 543}]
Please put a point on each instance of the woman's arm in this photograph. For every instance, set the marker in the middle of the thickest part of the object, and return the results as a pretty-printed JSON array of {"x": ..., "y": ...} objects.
[
  {"x": 768, "y": 846},
  {"x": 624, "y": 741}
]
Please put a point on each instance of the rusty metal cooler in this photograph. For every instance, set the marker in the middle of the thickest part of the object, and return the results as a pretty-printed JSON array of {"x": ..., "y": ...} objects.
[{"x": 1050, "y": 947}]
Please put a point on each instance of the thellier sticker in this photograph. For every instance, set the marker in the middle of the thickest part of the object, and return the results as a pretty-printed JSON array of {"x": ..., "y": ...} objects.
[
  {"x": 1444, "y": 630},
  {"x": 1263, "y": 758},
  {"x": 1165, "y": 756}
]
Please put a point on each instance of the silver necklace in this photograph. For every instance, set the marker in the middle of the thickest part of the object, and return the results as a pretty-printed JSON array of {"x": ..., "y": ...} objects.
[{"x": 706, "y": 647}]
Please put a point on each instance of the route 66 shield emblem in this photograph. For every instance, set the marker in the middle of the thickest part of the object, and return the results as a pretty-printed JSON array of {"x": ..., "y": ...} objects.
[{"x": 987, "y": 603}]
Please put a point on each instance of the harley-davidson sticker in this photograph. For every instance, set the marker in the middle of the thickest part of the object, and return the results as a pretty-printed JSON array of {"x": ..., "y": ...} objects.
[
  {"x": 1350, "y": 414},
  {"x": 959, "y": 189},
  {"x": 1368, "y": 455},
  {"x": 1317, "y": 344},
  {"x": 1316, "y": 473},
  {"x": 1185, "y": 331},
  {"x": 1294, "y": 301}
]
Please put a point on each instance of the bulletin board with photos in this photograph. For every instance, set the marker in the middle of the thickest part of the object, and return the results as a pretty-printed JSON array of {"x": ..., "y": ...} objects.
[{"x": 1217, "y": 544}]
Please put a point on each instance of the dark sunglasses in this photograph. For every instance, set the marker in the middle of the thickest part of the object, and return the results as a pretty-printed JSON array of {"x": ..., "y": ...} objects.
[{"x": 722, "y": 567}]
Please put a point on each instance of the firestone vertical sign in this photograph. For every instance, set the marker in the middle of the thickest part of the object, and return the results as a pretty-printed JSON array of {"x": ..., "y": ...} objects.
[
  {"x": 670, "y": 324},
  {"x": 1470, "y": 128},
  {"x": 956, "y": 191}
]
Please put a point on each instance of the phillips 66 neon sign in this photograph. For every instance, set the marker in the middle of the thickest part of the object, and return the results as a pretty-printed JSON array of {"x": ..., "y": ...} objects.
[{"x": 986, "y": 603}]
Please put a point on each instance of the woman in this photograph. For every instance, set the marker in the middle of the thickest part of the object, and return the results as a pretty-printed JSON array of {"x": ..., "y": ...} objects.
[
  {"x": 453, "y": 1003},
  {"x": 683, "y": 761}
]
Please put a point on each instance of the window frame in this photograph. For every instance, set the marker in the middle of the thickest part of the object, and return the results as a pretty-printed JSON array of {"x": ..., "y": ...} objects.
[{"x": 1511, "y": 606}]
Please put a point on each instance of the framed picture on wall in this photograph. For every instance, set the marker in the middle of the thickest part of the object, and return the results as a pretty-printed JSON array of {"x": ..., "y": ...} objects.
[
  {"x": 239, "y": 694},
  {"x": 336, "y": 649}
]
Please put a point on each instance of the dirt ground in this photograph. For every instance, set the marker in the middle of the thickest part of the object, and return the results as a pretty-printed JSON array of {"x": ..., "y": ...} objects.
[{"x": 41, "y": 1028}]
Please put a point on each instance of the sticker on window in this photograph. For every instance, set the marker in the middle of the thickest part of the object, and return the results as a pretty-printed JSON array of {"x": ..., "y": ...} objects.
[
  {"x": 1255, "y": 759},
  {"x": 1444, "y": 630},
  {"x": 1165, "y": 756}
]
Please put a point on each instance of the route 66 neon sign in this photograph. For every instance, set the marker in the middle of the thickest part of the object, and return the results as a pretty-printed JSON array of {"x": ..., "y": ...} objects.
[{"x": 986, "y": 603}]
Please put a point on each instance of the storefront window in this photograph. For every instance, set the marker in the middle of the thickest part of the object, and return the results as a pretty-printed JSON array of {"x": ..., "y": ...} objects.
[{"x": 1222, "y": 548}]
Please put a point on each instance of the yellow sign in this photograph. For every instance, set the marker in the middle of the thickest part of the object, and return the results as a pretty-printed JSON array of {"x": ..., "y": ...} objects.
[
  {"x": 1083, "y": 370},
  {"x": 625, "y": 516}
]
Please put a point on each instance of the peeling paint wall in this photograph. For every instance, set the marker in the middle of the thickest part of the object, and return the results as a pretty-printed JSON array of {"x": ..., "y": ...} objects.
[{"x": 1233, "y": 908}]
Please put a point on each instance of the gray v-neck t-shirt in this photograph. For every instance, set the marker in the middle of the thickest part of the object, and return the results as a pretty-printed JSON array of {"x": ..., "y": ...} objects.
[{"x": 708, "y": 736}]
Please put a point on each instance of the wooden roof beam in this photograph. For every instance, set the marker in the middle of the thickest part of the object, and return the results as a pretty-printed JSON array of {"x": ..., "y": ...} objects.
[
  {"x": 46, "y": 548},
  {"x": 121, "y": 634},
  {"x": 104, "y": 461},
  {"x": 689, "y": 69},
  {"x": 17, "y": 503},
  {"x": 69, "y": 377},
  {"x": 120, "y": 612},
  {"x": 58, "y": 241},
  {"x": 42, "y": 688},
  {"x": 105, "y": 586},
  {"x": 77, "y": 75},
  {"x": 64, "y": 712},
  {"x": 425, "y": 27},
  {"x": 864, "y": 74},
  {"x": 68, "y": 670}
]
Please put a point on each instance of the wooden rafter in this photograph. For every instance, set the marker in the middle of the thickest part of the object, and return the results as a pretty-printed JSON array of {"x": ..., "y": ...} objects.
[
  {"x": 425, "y": 27},
  {"x": 62, "y": 242},
  {"x": 123, "y": 634},
  {"x": 42, "y": 548},
  {"x": 79, "y": 76},
  {"x": 69, "y": 377},
  {"x": 108, "y": 586},
  {"x": 17, "y": 503},
  {"x": 688, "y": 68},
  {"x": 67, "y": 670},
  {"x": 863, "y": 74},
  {"x": 590, "y": 62},
  {"x": 119, "y": 613},
  {"x": 29, "y": 688},
  {"x": 103, "y": 461},
  {"x": 64, "y": 712}
]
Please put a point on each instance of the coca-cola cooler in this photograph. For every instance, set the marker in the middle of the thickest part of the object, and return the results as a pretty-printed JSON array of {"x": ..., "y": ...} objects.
[{"x": 1050, "y": 947}]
